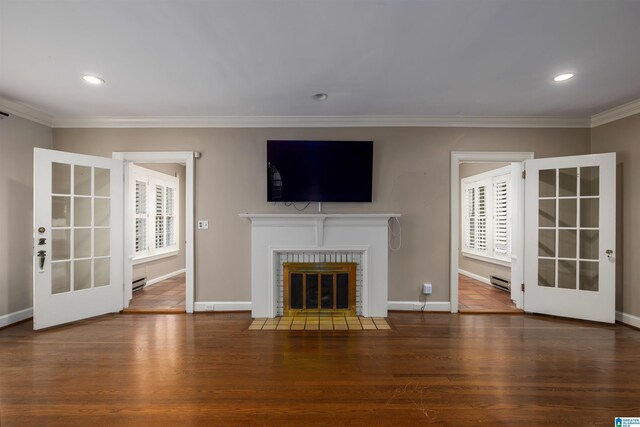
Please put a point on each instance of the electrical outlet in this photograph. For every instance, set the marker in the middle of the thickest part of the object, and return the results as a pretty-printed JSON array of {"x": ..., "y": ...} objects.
[
  {"x": 208, "y": 307},
  {"x": 203, "y": 224},
  {"x": 427, "y": 288}
]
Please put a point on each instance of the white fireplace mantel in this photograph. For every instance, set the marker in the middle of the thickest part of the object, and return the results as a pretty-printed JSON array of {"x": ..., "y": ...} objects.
[{"x": 274, "y": 233}]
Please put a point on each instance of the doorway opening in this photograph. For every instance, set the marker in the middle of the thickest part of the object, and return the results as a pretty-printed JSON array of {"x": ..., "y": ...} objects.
[
  {"x": 484, "y": 257},
  {"x": 486, "y": 260},
  {"x": 159, "y": 232}
]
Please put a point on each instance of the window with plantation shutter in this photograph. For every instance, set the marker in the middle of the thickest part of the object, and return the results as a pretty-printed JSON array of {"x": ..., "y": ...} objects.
[
  {"x": 155, "y": 199},
  {"x": 140, "y": 231},
  {"x": 502, "y": 216},
  {"x": 486, "y": 215}
]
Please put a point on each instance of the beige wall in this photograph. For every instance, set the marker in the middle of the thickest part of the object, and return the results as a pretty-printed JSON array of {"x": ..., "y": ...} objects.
[
  {"x": 623, "y": 137},
  {"x": 476, "y": 266},
  {"x": 411, "y": 177},
  {"x": 163, "y": 266},
  {"x": 18, "y": 137}
]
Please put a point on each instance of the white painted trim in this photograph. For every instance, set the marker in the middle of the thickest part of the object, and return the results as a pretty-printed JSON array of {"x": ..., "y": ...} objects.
[
  {"x": 165, "y": 277},
  {"x": 200, "y": 306},
  {"x": 442, "y": 306},
  {"x": 183, "y": 157},
  {"x": 474, "y": 276},
  {"x": 318, "y": 121},
  {"x": 517, "y": 250},
  {"x": 485, "y": 258},
  {"x": 26, "y": 112},
  {"x": 616, "y": 113},
  {"x": 628, "y": 319},
  {"x": 15, "y": 317},
  {"x": 149, "y": 258}
]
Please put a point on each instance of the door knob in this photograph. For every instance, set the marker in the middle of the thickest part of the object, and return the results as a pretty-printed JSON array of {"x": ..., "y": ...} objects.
[{"x": 609, "y": 253}]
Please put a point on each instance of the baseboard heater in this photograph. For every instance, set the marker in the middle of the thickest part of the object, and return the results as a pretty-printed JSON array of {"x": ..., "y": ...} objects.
[
  {"x": 139, "y": 283},
  {"x": 500, "y": 282}
]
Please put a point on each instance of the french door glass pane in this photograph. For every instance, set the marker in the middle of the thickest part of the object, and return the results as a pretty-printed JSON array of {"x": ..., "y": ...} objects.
[
  {"x": 547, "y": 243},
  {"x": 60, "y": 211},
  {"x": 547, "y": 213},
  {"x": 568, "y": 182},
  {"x": 82, "y": 211},
  {"x": 567, "y": 212},
  {"x": 102, "y": 182},
  {"x": 590, "y": 181},
  {"x": 101, "y": 272},
  {"x": 81, "y": 274},
  {"x": 567, "y": 243},
  {"x": 82, "y": 243},
  {"x": 589, "y": 212},
  {"x": 60, "y": 277},
  {"x": 101, "y": 241},
  {"x": 60, "y": 244},
  {"x": 547, "y": 183},
  {"x": 589, "y": 276},
  {"x": 82, "y": 180},
  {"x": 566, "y": 274},
  {"x": 547, "y": 272},
  {"x": 60, "y": 178},
  {"x": 589, "y": 244},
  {"x": 102, "y": 212}
]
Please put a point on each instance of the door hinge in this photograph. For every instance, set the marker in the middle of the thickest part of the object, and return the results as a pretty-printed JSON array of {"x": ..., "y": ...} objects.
[
  {"x": 523, "y": 287},
  {"x": 524, "y": 174}
]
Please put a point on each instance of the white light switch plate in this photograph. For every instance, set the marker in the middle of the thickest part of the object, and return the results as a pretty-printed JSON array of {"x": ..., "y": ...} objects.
[{"x": 203, "y": 225}]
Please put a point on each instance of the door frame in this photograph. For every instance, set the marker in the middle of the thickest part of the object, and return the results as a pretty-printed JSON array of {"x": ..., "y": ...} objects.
[
  {"x": 517, "y": 222},
  {"x": 188, "y": 158}
]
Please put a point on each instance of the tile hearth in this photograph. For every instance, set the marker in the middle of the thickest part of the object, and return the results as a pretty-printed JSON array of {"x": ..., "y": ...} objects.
[{"x": 315, "y": 322}]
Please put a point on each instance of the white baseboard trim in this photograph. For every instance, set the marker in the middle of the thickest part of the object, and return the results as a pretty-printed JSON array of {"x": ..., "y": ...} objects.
[
  {"x": 417, "y": 306},
  {"x": 165, "y": 277},
  {"x": 474, "y": 276},
  {"x": 628, "y": 319},
  {"x": 15, "y": 317},
  {"x": 222, "y": 306}
]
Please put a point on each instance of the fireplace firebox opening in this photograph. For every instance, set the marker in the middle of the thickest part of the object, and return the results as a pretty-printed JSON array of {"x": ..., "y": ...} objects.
[{"x": 326, "y": 287}]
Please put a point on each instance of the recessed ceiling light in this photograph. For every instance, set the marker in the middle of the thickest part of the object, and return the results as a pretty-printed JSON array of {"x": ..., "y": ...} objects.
[
  {"x": 94, "y": 80},
  {"x": 562, "y": 77},
  {"x": 320, "y": 96}
]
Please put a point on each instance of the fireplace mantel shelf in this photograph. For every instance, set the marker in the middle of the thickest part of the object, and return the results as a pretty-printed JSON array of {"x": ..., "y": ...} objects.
[{"x": 319, "y": 215}]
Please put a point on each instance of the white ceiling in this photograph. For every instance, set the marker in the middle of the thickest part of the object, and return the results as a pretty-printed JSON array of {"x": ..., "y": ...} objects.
[{"x": 267, "y": 57}]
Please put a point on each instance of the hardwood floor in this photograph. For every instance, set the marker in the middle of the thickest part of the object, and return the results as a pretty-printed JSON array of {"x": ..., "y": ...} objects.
[
  {"x": 477, "y": 297},
  {"x": 166, "y": 296},
  {"x": 208, "y": 369}
]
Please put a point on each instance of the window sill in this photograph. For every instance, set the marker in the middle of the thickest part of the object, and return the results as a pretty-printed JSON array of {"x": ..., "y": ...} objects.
[
  {"x": 488, "y": 259},
  {"x": 140, "y": 260}
]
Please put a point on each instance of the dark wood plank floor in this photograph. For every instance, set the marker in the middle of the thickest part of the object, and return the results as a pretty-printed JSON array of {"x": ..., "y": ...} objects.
[
  {"x": 208, "y": 369},
  {"x": 477, "y": 297},
  {"x": 166, "y": 295}
]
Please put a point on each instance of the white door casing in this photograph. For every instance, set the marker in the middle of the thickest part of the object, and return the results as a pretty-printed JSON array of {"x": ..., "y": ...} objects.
[
  {"x": 78, "y": 206},
  {"x": 570, "y": 236}
]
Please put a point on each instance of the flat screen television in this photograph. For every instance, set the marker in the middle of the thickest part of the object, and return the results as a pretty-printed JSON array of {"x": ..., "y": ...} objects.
[{"x": 319, "y": 171}]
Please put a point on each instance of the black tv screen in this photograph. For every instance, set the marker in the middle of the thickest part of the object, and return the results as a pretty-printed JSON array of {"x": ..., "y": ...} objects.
[{"x": 319, "y": 171}]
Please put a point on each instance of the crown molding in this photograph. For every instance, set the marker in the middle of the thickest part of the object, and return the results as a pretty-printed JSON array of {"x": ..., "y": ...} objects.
[
  {"x": 318, "y": 121},
  {"x": 616, "y": 113},
  {"x": 29, "y": 113}
]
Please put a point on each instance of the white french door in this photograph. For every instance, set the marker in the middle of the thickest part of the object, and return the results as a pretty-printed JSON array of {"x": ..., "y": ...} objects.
[
  {"x": 570, "y": 236},
  {"x": 78, "y": 237}
]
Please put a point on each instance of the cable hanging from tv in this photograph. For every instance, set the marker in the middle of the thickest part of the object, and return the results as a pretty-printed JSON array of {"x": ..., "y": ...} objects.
[{"x": 287, "y": 204}]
